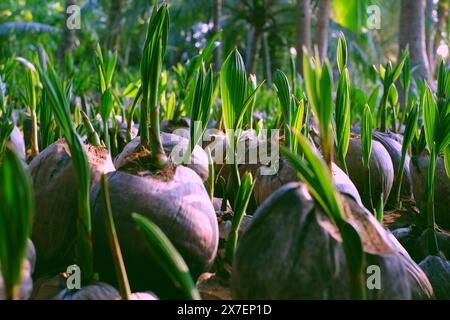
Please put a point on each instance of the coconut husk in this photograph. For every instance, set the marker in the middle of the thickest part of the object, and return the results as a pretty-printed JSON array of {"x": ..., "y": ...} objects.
[
  {"x": 26, "y": 285},
  {"x": 395, "y": 152},
  {"x": 265, "y": 185},
  {"x": 304, "y": 258},
  {"x": 438, "y": 271},
  {"x": 381, "y": 168},
  {"x": 18, "y": 143},
  {"x": 95, "y": 291},
  {"x": 171, "y": 143},
  {"x": 169, "y": 126},
  {"x": 178, "y": 203},
  {"x": 55, "y": 202},
  {"x": 419, "y": 173}
]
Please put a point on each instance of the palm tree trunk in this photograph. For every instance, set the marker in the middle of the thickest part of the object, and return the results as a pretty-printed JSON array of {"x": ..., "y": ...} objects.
[
  {"x": 217, "y": 28},
  {"x": 412, "y": 34},
  {"x": 267, "y": 62},
  {"x": 256, "y": 47},
  {"x": 442, "y": 14},
  {"x": 303, "y": 30},
  {"x": 66, "y": 44},
  {"x": 115, "y": 24},
  {"x": 430, "y": 34},
  {"x": 323, "y": 18}
]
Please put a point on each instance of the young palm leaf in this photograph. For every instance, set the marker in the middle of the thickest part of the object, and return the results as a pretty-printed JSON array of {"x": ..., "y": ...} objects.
[
  {"x": 366, "y": 148},
  {"x": 167, "y": 256},
  {"x": 151, "y": 67},
  {"x": 16, "y": 210}
]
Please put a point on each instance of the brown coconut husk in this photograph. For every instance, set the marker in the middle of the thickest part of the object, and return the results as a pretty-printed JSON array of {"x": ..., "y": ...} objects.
[
  {"x": 381, "y": 168},
  {"x": 26, "y": 285},
  {"x": 55, "y": 200},
  {"x": 169, "y": 126},
  {"x": 395, "y": 152},
  {"x": 419, "y": 173},
  {"x": 95, "y": 291},
  {"x": 177, "y": 202},
  {"x": 304, "y": 258},
  {"x": 170, "y": 142},
  {"x": 265, "y": 185}
]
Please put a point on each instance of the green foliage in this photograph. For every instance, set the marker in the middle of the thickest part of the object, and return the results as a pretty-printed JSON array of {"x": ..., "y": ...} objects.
[{"x": 16, "y": 210}]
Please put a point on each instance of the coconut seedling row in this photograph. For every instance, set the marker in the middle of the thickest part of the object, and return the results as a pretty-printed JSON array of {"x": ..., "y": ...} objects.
[{"x": 124, "y": 185}]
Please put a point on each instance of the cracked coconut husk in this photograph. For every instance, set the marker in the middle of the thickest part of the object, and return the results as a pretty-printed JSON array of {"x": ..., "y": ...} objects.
[
  {"x": 176, "y": 200},
  {"x": 304, "y": 258},
  {"x": 55, "y": 198}
]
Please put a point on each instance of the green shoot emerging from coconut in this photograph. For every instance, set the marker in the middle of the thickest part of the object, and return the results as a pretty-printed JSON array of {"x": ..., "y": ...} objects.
[
  {"x": 151, "y": 67},
  {"x": 56, "y": 95},
  {"x": 235, "y": 103},
  {"x": 436, "y": 117},
  {"x": 16, "y": 210},
  {"x": 366, "y": 148}
]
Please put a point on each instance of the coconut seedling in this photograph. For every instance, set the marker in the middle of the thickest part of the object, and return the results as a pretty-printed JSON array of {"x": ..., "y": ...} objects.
[
  {"x": 62, "y": 227},
  {"x": 388, "y": 76},
  {"x": 436, "y": 117},
  {"x": 16, "y": 214},
  {"x": 30, "y": 100},
  {"x": 105, "y": 70},
  {"x": 149, "y": 182},
  {"x": 408, "y": 135},
  {"x": 366, "y": 147},
  {"x": 342, "y": 112}
]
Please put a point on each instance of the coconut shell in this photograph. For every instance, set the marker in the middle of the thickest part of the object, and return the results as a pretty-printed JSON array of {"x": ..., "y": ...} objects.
[
  {"x": 438, "y": 271},
  {"x": 265, "y": 185},
  {"x": 26, "y": 285},
  {"x": 304, "y": 258},
  {"x": 419, "y": 173},
  {"x": 179, "y": 205},
  {"x": 381, "y": 168},
  {"x": 96, "y": 291},
  {"x": 395, "y": 152},
  {"x": 55, "y": 200},
  {"x": 199, "y": 159}
]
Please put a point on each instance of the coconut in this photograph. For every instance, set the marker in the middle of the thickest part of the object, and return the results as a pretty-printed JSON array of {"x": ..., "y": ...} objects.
[
  {"x": 174, "y": 146},
  {"x": 395, "y": 152},
  {"x": 55, "y": 202},
  {"x": 419, "y": 173},
  {"x": 381, "y": 168},
  {"x": 169, "y": 126},
  {"x": 95, "y": 291},
  {"x": 304, "y": 258},
  {"x": 176, "y": 200},
  {"x": 26, "y": 285},
  {"x": 265, "y": 185},
  {"x": 438, "y": 271}
]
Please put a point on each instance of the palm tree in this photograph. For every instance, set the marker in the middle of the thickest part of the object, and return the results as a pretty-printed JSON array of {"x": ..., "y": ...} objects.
[
  {"x": 303, "y": 30},
  {"x": 66, "y": 44},
  {"x": 412, "y": 34}
]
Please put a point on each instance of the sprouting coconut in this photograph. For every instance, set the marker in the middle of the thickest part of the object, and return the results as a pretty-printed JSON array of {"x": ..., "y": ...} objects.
[
  {"x": 304, "y": 258},
  {"x": 149, "y": 183},
  {"x": 18, "y": 143},
  {"x": 55, "y": 196},
  {"x": 173, "y": 145},
  {"x": 381, "y": 168},
  {"x": 419, "y": 169}
]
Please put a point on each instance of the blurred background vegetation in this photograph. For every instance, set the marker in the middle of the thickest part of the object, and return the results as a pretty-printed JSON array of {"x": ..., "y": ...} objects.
[{"x": 265, "y": 31}]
